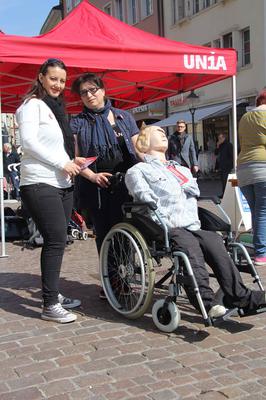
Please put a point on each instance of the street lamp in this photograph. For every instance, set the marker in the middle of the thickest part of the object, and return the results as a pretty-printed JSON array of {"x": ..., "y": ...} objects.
[{"x": 193, "y": 99}]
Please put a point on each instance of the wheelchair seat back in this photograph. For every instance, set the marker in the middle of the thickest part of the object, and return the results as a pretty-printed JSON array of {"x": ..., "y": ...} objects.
[
  {"x": 211, "y": 222},
  {"x": 150, "y": 230}
]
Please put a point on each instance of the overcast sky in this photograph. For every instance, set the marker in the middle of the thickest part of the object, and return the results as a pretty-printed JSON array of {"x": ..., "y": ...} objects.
[{"x": 24, "y": 17}]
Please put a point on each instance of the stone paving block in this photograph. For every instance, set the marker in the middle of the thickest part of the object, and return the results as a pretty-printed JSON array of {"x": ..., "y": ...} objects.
[
  {"x": 129, "y": 372},
  {"x": 129, "y": 359},
  {"x": 81, "y": 394},
  {"x": 144, "y": 379},
  {"x": 163, "y": 365},
  {"x": 19, "y": 383},
  {"x": 46, "y": 355},
  {"x": 7, "y": 373},
  {"x": 93, "y": 379},
  {"x": 120, "y": 395},
  {"x": 96, "y": 365},
  {"x": 70, "y": 360},
  {"x": 203, "y": 357},
  {"x": 233, "y": 392},
  {"x": 60, "y": 373},
  {"x": 82, "y": 348},
  {"x": 57, "y": 387},
  {"x": 109, "y": 353},
  {"x": 132, "y": 347},
  {"x": 60, "y": 397},
  {"x": 3, "y": 387},
  {"x": 165, "y": 395},
  {"x": 27, "y": 394},
  {"x": 166, "y": 384},
  {"x": 14, "y": 361},
  {"x": 36, "y": 366}
]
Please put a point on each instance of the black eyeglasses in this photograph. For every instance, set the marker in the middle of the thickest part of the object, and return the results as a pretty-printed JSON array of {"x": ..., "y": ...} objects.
[{"x": 85, "y": 92}]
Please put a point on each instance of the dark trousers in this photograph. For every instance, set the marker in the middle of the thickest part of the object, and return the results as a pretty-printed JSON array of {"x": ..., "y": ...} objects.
[
  {"x": 104, "y": 209},
  {"x": 224, "y": 175},
  {"x": 14, "y": 178},
  {"x": 205, "y": 246},
  {"x": 50, "y": 208}
]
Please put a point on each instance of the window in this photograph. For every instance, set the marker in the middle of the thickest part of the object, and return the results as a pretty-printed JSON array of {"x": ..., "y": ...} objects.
[
  {"x": 217, "y": 43},
  {"x": 174, "y": 12},
  {"x": 119, "y": 9},
  {"x": 196, "y": 6},
  {"x": 76, "y": 2},
  {"x": 246, "y": 46},
  {"x": 132, "y": 12},
  {"x": 108, "y": 9},
  {"x": 146, "y": 8},
  {"x": 178, "y": 10},
  {"x": 228, "y": 40},
  {"x": 181, "y": 9},
  {"x": 68, "y": 6},
  {"x": 206, "y": 3}
]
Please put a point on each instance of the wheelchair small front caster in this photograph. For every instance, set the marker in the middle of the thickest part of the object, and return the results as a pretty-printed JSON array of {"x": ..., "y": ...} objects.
[
  {"x": 75, "y": 233},
  {"x": 165, "y": 317},
  {"x": 85, "y": 235}
]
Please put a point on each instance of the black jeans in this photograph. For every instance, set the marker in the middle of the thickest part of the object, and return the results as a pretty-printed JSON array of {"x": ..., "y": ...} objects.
[
  {"x": 50, "y": 208},
  {"x": 104, "y": 209},
  {"x": 205, "y": 246}
]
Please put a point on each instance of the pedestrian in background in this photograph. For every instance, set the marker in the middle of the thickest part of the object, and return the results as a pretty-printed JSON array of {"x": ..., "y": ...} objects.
[
  {"x": 11, "y": 174},
  {"x": 47, "y": 171},
  {"x": 182, "y": 148},
  {"x": 251, "y": 171},
  {"x": 224, "y": 161}
]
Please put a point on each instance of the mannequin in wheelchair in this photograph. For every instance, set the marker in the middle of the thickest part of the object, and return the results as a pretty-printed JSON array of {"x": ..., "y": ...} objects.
[{"x": 171, "y": 190}]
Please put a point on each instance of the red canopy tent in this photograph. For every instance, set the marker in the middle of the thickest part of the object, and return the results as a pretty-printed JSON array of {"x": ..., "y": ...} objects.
[{"x": 137, "y": 67}]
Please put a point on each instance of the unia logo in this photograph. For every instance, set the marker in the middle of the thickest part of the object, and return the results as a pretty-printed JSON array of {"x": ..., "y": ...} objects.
[{"x": 196, "y": 61}]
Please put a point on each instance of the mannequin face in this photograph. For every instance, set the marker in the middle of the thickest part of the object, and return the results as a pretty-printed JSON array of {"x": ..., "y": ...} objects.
[
  {"x": 54, "y": 81},
  {"x": 92, "y": 96},
  {"x": 158, "y": 139}
]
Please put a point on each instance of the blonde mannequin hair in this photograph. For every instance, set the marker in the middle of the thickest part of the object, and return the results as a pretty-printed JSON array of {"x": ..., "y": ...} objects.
[{"x": 143, "y": 141}]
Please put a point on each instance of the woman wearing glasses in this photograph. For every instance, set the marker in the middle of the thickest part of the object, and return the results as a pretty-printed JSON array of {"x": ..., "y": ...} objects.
[
  {"x": 108, "y": 133},
  {"x": 48, "y": 166}
]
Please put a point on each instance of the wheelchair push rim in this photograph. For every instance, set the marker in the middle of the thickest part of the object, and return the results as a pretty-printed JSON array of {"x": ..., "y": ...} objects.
[{"x": 127, "y": 271}]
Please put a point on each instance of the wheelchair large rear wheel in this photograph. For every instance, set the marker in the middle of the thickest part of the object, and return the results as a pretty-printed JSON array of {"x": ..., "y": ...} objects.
[{"x": 127, "y": 271}]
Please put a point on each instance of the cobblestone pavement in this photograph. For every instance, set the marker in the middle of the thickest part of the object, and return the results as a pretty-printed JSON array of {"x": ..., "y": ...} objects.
[{"x": 104, "y": 356}]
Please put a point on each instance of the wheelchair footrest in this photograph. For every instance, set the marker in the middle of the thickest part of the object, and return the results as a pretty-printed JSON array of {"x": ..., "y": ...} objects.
[
  {"x": 231, "y": 312},
  {"x": 244, "y": 313}
]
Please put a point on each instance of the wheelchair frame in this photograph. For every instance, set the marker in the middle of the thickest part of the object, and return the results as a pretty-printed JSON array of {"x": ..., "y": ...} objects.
[{"x": 127, "y": 272}]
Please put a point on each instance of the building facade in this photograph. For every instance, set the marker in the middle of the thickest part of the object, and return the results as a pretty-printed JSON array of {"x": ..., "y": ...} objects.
[{"x": 221, "y": 23}]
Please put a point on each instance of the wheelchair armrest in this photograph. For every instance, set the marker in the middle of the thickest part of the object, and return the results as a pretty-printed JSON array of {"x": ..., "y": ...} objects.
[
  {"x": 214, "y": 199},
  {"x": 129, "y": 205}
]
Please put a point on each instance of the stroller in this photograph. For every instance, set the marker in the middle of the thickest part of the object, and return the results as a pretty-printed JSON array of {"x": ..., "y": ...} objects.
[{"x": 77, "y": 226}]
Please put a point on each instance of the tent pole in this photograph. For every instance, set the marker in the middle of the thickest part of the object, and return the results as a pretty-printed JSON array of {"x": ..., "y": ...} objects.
[
  {"x": 234, "y": 120},
  {"x": 3, "y": 236}
]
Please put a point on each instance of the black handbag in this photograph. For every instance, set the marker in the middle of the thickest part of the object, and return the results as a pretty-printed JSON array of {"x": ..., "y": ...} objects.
[{"x": 16, "y": 228}]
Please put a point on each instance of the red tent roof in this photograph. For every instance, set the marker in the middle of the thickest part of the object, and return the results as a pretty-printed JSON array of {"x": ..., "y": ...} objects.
[{"x": 137, "y": 67}]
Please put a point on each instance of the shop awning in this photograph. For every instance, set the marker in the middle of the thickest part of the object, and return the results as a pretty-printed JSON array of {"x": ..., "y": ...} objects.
[{"x": 200, "y": 114}]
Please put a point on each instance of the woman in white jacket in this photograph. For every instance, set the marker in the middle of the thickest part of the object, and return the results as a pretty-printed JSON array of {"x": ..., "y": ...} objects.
[{"x": 47, "y": 170}]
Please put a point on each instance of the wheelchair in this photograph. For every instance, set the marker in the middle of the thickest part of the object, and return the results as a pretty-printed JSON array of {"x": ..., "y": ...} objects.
[{"x": 134, "y": 248}]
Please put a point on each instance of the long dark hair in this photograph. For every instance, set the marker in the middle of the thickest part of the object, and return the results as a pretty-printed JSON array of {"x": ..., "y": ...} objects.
[{"x": 37, "y": 90}]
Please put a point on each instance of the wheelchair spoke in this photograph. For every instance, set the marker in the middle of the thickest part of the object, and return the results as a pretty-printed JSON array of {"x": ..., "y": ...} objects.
[{"x": 126, "y": 274}]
